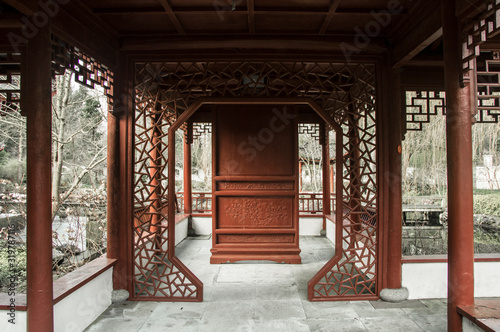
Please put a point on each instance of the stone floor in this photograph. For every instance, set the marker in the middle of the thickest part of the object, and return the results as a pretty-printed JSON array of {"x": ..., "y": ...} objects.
[{"x": 263, "y": 297}]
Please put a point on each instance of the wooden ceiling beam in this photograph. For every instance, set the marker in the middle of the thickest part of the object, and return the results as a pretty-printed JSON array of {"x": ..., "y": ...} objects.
[
  {"x": 88, "y": 35},
  {"x": 173, "y": 17},
  {"x": 278, "y": 43},
  {"x": 329, "y": 16},
  {"x": 26, "y": 7},
  {"x": 205, "y": 10},
  {"x": 251, "y": 16},
  {"x": 422, "y": 33},
  {"x": 10, "y": 20}
]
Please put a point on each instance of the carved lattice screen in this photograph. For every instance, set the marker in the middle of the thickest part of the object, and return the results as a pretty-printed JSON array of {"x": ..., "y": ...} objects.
[
  {"x": 165, "y": 90},
  {"x": 352, "y": 272}
]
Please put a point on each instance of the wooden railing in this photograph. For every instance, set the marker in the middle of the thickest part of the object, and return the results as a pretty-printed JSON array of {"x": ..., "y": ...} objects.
[
  {"x": 202, "y": 202},
  {"x": 309, "y": 203}
]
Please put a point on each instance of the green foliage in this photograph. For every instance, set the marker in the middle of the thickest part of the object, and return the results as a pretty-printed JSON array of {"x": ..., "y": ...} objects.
[
  {"x": 91, "y": 109},
  {"x": 17, "y": 269},
  {"x": 487, "y": 204},
  {"x": 9, "y": 170},
  {"x": 4, "y": 157}
]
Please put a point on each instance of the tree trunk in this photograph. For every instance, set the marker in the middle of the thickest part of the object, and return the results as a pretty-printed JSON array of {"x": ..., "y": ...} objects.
[
  {"x": 62, "y": 92},
  {"x": 20, "y": 170}
]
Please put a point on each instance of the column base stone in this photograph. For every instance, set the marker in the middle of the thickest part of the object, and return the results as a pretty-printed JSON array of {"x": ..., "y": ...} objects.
[
  {"x": 394, "y": 295},
  {"x": 119, "y": 295}
]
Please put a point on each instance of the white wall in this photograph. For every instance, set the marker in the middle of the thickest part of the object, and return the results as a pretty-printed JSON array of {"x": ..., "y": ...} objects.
[
  {"x": 181, "y": 230},
  {"x": 20, "y": 321},
  {"x": 468, "y": 326},
  {"x": 330, "y": 231},
  {"x": 310, "y": 226},
  {"x": 429, "y": 280},
  {"x": 78, "y": 310},
  {"x": 307, "y": 226},
  {"x": 202, "y": 225}
]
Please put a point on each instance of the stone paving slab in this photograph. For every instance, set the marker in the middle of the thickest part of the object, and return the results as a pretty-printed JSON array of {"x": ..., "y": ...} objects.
[{"x": 260, "y": 297}]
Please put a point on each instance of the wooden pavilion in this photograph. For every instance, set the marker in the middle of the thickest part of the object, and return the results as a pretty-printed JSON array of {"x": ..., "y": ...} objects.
[{"x": 263, "y": 67}]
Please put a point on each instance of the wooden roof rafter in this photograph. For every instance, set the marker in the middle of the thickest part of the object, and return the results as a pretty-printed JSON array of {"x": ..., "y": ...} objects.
[
  {"x": 173, "y": 17},
  {"x": 328, "y": 19},
  {"x": 251, "y": 16}
]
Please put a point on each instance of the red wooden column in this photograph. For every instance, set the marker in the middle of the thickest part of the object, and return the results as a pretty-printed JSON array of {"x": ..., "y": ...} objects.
[
  {"x": 300, "y": 175},
  {"x": 459, "y": 159},
  {"x": 326, "y": 173},
  {"x": 36, "y": 94},
  {"x": 332, "y": 176},
  {"x": 393, "y": 179},
  {"x": 188, "y": 194},
  {"x": 117, "y": 225}
]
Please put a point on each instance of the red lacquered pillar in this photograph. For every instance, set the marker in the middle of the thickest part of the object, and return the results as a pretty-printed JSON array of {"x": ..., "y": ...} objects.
[
  {"x": 459, "y": 159},
  {"x": 188, "y": 194},
  {"x": 37, "y": 77}
]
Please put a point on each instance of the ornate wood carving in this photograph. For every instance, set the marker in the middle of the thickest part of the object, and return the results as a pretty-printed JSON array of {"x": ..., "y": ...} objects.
[
  {"x": 255, "y": 212},
  {"x": 262, "y": 185},
  {"x": 256, "y": 238}
]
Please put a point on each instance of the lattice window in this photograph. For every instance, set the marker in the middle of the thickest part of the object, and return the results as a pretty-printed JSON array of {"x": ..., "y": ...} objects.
[
  {"x": 167, "y": 89},
  {"x": 488, "y": 88},
  {"x": 10, "y": 83},
  {"x": 87, "y": 71},
  {"x": 200, "y": 128},
  {"x": 486, "y": 26},
  {"x": 421, "y": 105},
  {"x": 312, "y": 129}
]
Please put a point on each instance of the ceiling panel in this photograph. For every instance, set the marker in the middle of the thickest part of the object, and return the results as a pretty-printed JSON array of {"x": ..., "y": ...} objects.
[
  {"x": 287, "y": 23},
  {"x": 214, "y": 22},
  {"x": 292, "y": 4},
  {"x": 141, "y": 23}
]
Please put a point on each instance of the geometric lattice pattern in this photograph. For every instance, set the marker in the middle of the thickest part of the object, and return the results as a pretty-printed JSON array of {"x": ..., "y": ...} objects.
[
  {"x": 488, "y": 88},
  {"x": 10, "y": 83},
  {"x": 165, "y": 90},
  {"x": 87, "y": 71},
  {"x": 200, "y": 128},
  {"x": 312, "y": 129},
  {"x": 352, "y": 273},
  {"x": 420, "y": 105},
  {"x": 180, "y": 84},
  {"x": 484, "y": 27},
  {"x": 155, "y": 274}
]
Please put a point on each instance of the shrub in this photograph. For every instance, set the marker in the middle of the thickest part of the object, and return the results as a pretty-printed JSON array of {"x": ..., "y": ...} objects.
[
  {"x": 8, "y": 270},
  {"x": 487, "y": 204}
]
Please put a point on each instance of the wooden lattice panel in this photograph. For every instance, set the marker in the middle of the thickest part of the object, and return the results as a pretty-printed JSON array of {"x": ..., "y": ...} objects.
[
  {"x": 156, "y": 275},
  {"x": 329, "y": 84},
  {"x": 344, "y": 91},
  {"x": 488, "y": 87},
  {"x": 480, "y": 30},
  {"x": 200, "y": 128},
  {"x": 10, "y": 83},
  {"x": 353, "y": 273},
  {"x": 312, "y": 129},
  {"x": 87, "y": 71},
  {"x": 421, "y": 105}
]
